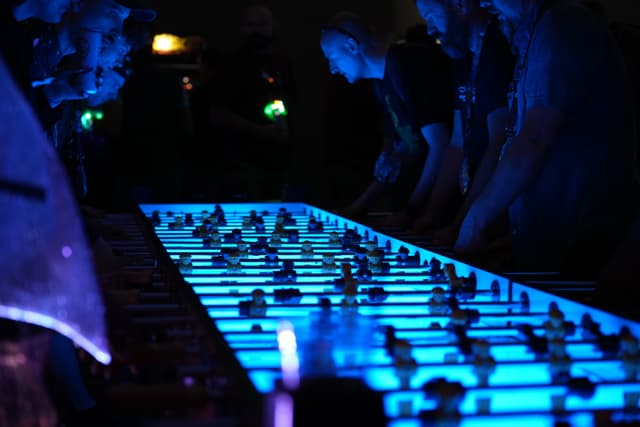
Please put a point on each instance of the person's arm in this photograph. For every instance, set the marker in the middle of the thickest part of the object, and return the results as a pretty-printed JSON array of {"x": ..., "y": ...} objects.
[
  {"x": 437, "y": 136},
  {"x": 446, "y": 184},
  {"x": 567, "y": 51},
  {"x": 497, "y": 122},
  {"x": 522, "y": 161},
  {"x": 370, "y": 194},
  {"x": 373, "y": 191}
]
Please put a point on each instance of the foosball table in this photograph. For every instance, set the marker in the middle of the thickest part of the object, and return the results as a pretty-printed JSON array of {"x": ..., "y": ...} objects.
[{"x": 298, "y": 294}]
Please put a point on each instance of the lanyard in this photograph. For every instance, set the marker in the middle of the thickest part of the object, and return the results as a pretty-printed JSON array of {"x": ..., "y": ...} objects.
[
  {"x": 471, "y": 89},
  {"x": 510, "y": 131}
]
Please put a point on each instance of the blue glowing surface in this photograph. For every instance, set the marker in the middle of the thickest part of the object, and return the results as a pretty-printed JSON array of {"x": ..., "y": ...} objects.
[{"x": 520, "y": 389}]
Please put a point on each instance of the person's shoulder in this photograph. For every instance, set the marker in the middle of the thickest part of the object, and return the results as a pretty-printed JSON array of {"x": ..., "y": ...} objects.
[{"x": 565, "y": 17}]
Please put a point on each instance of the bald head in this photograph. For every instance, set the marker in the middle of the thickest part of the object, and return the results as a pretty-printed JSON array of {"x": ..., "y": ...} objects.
[
  {"x": 259, "y": 20},
  {"x": 352, "y": 47},
  {"x": 351, "y": 25}
]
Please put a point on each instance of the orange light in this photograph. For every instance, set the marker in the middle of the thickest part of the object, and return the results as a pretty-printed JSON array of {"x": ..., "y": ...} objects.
[
  {"x": 271, "y": 80},
  {"x": 168, "y": 44}
]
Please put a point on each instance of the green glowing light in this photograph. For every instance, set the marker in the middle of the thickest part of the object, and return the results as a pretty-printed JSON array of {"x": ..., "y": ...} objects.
[
  {"x": 86, "y": 120},
  {"x": 88, "y": 117},
  {"x": 275, "y": 109}
]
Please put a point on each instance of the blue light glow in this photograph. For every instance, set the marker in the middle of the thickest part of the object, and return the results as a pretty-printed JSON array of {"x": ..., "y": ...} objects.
[{"x": 295, "y": 335}]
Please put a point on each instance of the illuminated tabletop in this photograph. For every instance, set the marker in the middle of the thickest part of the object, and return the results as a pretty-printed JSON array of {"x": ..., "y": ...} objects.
[{"x": 308, "y": 329}]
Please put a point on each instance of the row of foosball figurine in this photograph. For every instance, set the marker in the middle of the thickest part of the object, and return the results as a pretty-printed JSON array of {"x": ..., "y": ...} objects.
[{"x": 370, "y": 262}]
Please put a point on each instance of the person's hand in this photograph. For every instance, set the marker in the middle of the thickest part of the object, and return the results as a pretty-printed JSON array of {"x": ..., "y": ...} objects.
[
  {"x": 387, "y": 167},
  {"x": 472, "y": 238}
]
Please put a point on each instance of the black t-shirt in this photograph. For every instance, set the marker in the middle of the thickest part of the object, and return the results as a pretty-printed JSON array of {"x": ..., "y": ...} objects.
[
  {"x": 477, "y": 99},
  {"x": 415, "y": 92},
  {"x": 247, "y": 82}
]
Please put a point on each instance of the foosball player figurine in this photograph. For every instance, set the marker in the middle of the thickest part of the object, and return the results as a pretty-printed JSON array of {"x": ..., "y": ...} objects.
[
  {"x": 405, "y": 365},
  {"x": 259, "y": 225},
  {"x": 448, "y": 396},
  {"x": 234, "y": 237},
  {"x": 630, "y": 355},
  {"x": 279, "y": 226},
  {"x": 350, "y": 301},
  {"x": 233, "y": 262},
  {"x": 243, "y": 248},
  {"x": 559, "y": 362},
  {"x": 483, "y": 363},
  {"x": 371, "y": 246},
  {"x": 258, "y": 305},
  {"x": 403, "y": 258},
  {"x": 272, "y": 259},
  {"x": 554, "y": 327},
  {"x": 347, "y": 276},
  {"x": 455, "y": 282},
  {"x": 247, "y": 223},
  {"x": 200, "y": 231},
  {"x": 457, "y": 319},
  {"x": 360, "y": 256},
  {"x": 293, "y": 236},
  {"x": 155, "y": 218},
  {"x": 329, "y": 263},
  {"x": 438, "y": 303},
  {"x": 276, "y": 240},
  {"x": 188, "y": 219},
  {"x": 307, "y": 250},
  {"x": 363, "y": 272},
  {"x": 351, "y": 238},
  {"x": 376, "y": 264},
  {"x": 334, "y": 239},
  {"x": 435, "y": 269},
  {"x": 178, "y": 223},
  {"x": 184, "y": 264},
  {"x": 459, "y": 322},
  {"x": 216, "y": 239},
  {"x": 314, "y": 225},
  {"x": 211, "y": 226}
]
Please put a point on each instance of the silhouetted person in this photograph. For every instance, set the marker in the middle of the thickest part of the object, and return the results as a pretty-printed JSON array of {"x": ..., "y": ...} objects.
[{"x": 257, "y": 78}]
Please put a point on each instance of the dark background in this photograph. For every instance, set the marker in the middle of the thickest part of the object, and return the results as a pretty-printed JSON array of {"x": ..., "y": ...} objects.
[{"x": 330, "y": 136}]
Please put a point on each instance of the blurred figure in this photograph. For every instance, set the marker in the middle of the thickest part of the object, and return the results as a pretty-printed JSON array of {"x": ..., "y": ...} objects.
[
  {"x": 413, "y": 88},
  {"x": 47, "y": 274},
  {"x": 28, "y": 40},
  {"x": 252, "y": 107},
  {"x": 566, "y": 173},
  {"x": 483, "y": 69},
  {"x": 204, "y": 171}
]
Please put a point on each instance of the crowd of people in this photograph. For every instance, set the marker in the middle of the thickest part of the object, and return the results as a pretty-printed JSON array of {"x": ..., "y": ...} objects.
[
  {"x": 511, "y": 124},
  {"x": 531, "y": 144},
  {"x": 57, "y": 57}
]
